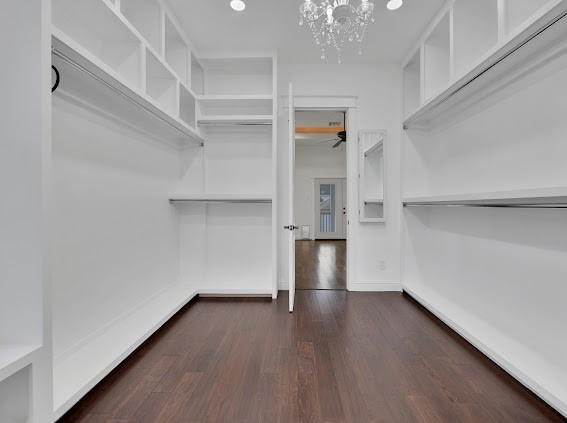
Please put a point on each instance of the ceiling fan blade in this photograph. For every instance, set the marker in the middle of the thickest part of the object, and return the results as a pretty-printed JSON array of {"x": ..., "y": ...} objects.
[{"x": 338, "y": 143}]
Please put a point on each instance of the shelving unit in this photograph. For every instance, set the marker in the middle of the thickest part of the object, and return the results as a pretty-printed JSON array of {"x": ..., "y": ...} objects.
[
  {"x": 447, "y": 96},
  {"x": 237, "y": 75},
  {"x": 236, "y": 120},
  {"x": 197, "y": 76},
  {"x": 146, "y": 17},
  {"x": 481, "y": 250}
]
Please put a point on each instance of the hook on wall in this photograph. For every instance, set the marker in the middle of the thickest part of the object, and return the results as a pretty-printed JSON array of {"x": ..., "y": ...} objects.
[{"x": 57, "y": 78}]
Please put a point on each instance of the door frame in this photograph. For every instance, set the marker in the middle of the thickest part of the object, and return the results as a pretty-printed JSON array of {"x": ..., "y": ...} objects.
[
  {"x": 343, "y": 226},
  {"x": 348, "y": 104}
]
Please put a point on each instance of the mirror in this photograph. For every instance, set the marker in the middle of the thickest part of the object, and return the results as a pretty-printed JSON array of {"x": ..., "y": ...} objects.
[{"x": 372, "y": 175}]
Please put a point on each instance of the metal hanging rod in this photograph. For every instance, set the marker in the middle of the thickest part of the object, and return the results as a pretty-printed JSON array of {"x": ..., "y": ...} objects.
[
  {"x": 80, "y": 67},
  {"x": 222, "y": 201},
  {"x": 494, "y": 206}
]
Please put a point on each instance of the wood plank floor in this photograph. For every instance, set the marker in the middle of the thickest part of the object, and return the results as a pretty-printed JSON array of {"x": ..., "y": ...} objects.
[
  {"x": 320, "y": 264},
  {"x": 341, "y": 357}
]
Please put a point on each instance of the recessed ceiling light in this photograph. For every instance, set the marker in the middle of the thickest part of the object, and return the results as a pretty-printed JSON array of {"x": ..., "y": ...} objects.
[
  {"x": 394, "y": 4},
  {"x": 238, "y": 5}
]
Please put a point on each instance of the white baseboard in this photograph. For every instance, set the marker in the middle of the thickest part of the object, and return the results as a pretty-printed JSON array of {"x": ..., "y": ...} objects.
[
  {"x": 476, "y": 334},
  {"x": 375, "y": 287}
]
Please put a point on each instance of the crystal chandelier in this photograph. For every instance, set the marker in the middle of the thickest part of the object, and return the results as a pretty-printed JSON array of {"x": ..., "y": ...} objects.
[{"x": 336, "y": 22}]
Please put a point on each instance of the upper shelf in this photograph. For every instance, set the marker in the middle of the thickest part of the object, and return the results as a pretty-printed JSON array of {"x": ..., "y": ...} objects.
[
  {"x": 15, "y": 357},
  {"x": 82, "y": 77},
  {"x": 236, "y": 120},
  {"x": 527, "y": 197},
  {"x": 540, "y": 40}
]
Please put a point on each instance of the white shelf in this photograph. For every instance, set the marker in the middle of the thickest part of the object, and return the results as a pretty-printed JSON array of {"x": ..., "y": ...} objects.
[
  {"x": 236, "y": 120},
  {"x": 511, "y": 355},
  {"x": 15, "y": 357},
  {"x": 541, "y": 196},
  {"x": 373, "y": 200},
  {"x": 76, "y": 374},
  {"x": 85, "y": 79},
  {"x": 540, "y": 39},
  {"x": 220, "y": 198}
]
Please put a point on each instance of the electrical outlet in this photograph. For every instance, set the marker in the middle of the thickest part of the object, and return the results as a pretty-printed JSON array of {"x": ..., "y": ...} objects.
[{"x": 382, "y": 264}]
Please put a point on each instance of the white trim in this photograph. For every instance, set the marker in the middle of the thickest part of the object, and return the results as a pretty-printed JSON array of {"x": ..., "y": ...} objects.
[
  {"x": 382, "y": 286},
  {"x": 235, "y": 293}
]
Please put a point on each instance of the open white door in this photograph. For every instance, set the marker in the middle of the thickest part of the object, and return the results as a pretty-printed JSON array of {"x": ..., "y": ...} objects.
[{"x": 290, "y": 217}]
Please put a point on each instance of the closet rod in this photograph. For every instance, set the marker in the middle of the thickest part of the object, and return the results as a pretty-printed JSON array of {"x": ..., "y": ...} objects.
[
  {"x": 497, "y": 206},
  {"x": 457, "y": 89},
  {"x": 80, "y": 67},
  {"x": 223, "y": 201}
]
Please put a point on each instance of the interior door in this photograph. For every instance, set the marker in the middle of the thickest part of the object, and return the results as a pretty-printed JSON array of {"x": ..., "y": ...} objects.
[
  {"x": 330, "y": 209},
  {"x": 290, "y": 227}
]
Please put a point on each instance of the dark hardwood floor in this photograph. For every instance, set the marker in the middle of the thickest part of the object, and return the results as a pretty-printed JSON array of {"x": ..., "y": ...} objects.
[
  {"x": 340, "y": 357},
  {"x": 320, "y": 264}
]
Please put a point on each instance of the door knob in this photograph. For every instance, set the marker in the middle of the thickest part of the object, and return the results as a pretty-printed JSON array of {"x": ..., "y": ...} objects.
[{"x": 291, "y": 227}]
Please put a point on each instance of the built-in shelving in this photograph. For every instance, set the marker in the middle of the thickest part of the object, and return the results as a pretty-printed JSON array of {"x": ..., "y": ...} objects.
[
  {"x": 542, "y": 196},
  {"x": 538, "y": 37},
  {"x": 211, "y": 105},
  {"x": 85, "y": 79},
  {"x": 372, "y": 200},
  {"x": 187, "y": 106},
  {"x": 220, "y": 198},
  {"x": 371, "y": 181},
  {"x": 197, "y": 76},
  {"x": 412, "y": 84},
  {"x": 238, "y": 75},
  {"x": 161, "y": 84}
]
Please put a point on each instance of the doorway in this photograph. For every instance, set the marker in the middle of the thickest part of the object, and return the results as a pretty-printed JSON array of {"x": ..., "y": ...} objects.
[{"x": 320, "y": 205}]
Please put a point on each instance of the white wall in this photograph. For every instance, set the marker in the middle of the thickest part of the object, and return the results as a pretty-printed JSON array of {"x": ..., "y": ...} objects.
[
  {"x": 378, "y": 89},
  {"x": 115, "y": 236},
  {"x": 310, "y": 163}
]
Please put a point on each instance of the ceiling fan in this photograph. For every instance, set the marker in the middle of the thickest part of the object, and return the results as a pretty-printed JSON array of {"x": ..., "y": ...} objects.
[{"x": 341, "y": 135}]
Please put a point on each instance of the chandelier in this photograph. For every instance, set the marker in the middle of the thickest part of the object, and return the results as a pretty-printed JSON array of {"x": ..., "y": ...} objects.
[{"x": 336, "y": 22}]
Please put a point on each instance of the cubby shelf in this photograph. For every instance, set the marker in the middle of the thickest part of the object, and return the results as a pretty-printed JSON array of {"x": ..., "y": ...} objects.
[
  {"x": 551, "y": 196},
  {"x": 220, "y": 198},
  {"x": 82, "y": 77},
  {"x": 533, "y": 43},
  {"x": 15, "y": 357}
]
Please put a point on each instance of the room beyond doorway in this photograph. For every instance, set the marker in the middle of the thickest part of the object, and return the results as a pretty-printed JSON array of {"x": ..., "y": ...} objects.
[
  {"x": 320, "y": 264},
  {"x": 320, "y": 200}
]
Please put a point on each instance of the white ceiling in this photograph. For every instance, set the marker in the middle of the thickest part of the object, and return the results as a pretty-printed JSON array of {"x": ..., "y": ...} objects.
[{"x": 269, "y": 24}]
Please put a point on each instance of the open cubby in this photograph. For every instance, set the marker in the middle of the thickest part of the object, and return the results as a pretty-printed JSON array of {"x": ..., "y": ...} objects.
[
  {"x": 186, "y": 106},
  {"x": 372, "y": 173},
  {"x": 176, "y": 51},
  {"x": 437, "y": 58},
  {"x": 161, "y": 84},
  {"x": 145, "y": 16},
  {"x": 236, "y": 105},
  {"x": 475, "y": 32},
  {"x": 15, "y": 398},
  {"x": 412, "y": 84},
  {"x": 238, "y": 76},
  {"x": 197, "y": 76},
  {"x": 518, "y": 12},
  {"x": 96, "y": 28}
]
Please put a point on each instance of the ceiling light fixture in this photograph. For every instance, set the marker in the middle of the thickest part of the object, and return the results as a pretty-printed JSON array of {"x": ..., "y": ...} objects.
[
  {"x": 334, "y": 22},
  {"x": 394, "y": 4},
  {"x": 238, "y": 5}
]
